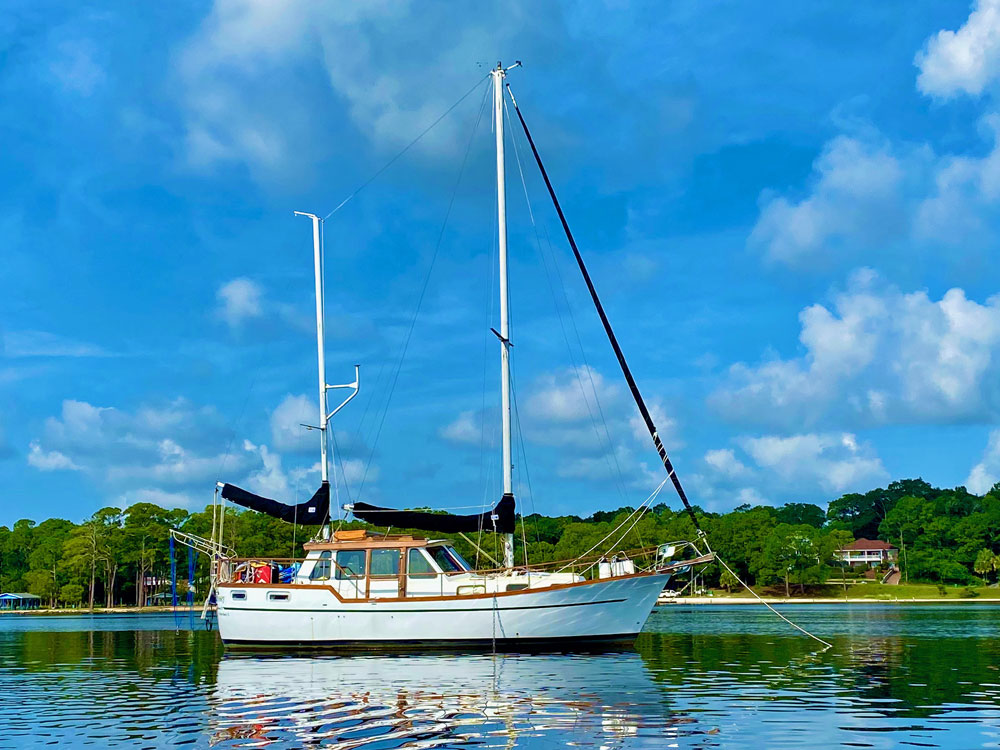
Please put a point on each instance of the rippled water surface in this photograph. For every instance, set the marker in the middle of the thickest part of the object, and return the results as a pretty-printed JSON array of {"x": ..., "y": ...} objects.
[{"x": 699, "y": 677}]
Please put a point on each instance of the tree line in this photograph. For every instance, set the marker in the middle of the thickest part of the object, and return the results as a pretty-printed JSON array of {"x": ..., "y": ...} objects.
[{"x": 121, "y": 556}]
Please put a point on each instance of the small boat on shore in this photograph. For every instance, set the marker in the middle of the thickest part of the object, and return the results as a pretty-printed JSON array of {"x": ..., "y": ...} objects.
[{"x": 358, "y": 588}]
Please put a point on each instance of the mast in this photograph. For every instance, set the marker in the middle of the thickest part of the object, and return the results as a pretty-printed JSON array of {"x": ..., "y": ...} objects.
[
  {"x": 324, "y": 409},
  {"x": 320, "y": 353},
  {"x": 498, "y": 75}
]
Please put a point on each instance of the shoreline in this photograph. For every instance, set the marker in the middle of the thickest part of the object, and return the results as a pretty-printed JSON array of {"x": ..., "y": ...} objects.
[
  {"x": 708, "y": 600},
  {"x": 104, "y": 612}
]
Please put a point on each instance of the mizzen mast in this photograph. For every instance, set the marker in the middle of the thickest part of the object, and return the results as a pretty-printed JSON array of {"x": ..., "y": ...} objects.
[{"x": 324, "y": 408}]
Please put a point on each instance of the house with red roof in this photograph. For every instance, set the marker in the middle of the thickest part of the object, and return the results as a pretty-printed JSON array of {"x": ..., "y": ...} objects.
[{"x": 869, "y": 552}]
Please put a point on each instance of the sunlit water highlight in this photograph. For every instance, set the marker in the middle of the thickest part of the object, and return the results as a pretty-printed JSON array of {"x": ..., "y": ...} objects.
[{"x": 700, "y": 677}]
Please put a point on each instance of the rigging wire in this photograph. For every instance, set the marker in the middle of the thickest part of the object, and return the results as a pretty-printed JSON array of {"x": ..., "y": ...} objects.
[
  {"x": 611, "y": 455},
  {"x": 406, "y": 148},
  {"x": 626, "y": 371},
  {"x": 423, "y": 290}
]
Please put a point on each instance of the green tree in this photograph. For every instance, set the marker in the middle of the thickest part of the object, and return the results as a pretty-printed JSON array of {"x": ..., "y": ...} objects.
[
  {"x": 986, "y": 562},
  {"x": 728, "y": 581},
  {"x": 790, "y": 552},
  {"x": 49, "y": 538},
  {"x": 82, "y": 552},
  {"x": 71, "y": 593},
  {"x": 801, "y": 513},
  {"x": 40, "y": 584}
]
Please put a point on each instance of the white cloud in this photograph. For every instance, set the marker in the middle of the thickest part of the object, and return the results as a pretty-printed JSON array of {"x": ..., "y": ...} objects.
[
  {"x": 986, "y": 473},
  {"x": 725, "y": 462},
  {"x": 49, "y": 460},
  {"x": 959, "y": 206},
  {"x": 578, "y": 408},
  {"x": 239, "y": 301},
  {"x": 857, "y": 198},
  {"x": 835, "y": 462},
  {"x": 877, "y": 356},
  {"x": 571, "y": 395},
  {"x": 44, "y": 344},
  {"x": 246, "y": 100},
  {"x": 464, "y": 430},
  {"x": 287, "y": 432},
  {"x": 967, "y": 60}
]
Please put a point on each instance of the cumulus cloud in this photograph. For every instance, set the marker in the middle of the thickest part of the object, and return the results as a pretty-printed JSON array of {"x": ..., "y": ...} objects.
[
  {"x": 464, "y": 430},
  {"x": 986, "y": 473},
  {"x": 365, "y": 52},
  {"x": 877, "y": 356},
  {"x": 963, "y": 61},
  {"x": 726, "y": 464},
  {"x": 856, "y": 197},
  {"x": 165, "y": 444},
  {"x": 49, "y": 460},
  {"x": 870, "y": 195},
  {"x": 578, "y": 408},
  {"x": 239, "y": 301},
  {"x": 287, "y": 432},
  {"x": 784, "y": 468},
  {"x": 836, "y": 462}
]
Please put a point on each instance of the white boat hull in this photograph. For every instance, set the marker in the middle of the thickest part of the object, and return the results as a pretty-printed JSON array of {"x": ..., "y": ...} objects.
[{"x": 312, "y": 616}]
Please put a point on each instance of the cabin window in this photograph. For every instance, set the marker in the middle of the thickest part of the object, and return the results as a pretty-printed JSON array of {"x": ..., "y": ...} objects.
[
  {"x": 516, "y": 586},
  {"x": 239, "y": 595},
  {"x": 419, "y": 566},
  {"x": 275, "y": 596},
  {"x": 448, "y": 560},
  {"x": 385, "y": 562},
  {"x": 350, "y": 564},
  {"x": 321, "y": 570}
]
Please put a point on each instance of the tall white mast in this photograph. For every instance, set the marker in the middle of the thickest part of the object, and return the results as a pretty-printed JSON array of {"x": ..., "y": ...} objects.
[
  {"x": 498, "y": 76},
  {"x": 324, "y": 409}
]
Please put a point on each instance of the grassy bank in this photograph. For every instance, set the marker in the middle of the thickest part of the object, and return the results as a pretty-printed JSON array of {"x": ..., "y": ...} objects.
[{"x": 864, "y": 592}]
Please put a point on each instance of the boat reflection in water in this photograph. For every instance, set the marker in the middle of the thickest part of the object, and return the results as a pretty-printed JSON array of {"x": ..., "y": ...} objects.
[{"x": 432, "y": 701}]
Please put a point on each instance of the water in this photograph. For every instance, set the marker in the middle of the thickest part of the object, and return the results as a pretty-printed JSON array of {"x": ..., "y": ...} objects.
[{"x": 700, "y": 677}]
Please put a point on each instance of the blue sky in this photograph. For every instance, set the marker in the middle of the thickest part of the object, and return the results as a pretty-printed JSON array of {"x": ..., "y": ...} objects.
[{"x": 790, "y": 210}]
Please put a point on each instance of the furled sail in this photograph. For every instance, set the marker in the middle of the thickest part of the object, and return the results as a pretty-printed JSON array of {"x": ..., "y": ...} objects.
[
  {"x": 314, "y": 511},
  {"x": 500, "y": 520}
]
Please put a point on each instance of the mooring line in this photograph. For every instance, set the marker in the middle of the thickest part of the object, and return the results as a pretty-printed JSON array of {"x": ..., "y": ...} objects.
[{"x": 797, "y": 627}]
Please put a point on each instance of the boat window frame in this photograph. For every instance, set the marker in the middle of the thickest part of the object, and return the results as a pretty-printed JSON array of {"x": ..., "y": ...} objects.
[
  {"x": 239, "y": 596},
  {"x": 279, "y": 596},
  {"x": 434, "y": 572},
  {"x": 385, "y": 576},
  {"x": 325, "y": 558},
  {"x": 345, "y": 573},
  {"x": 453, "y": 557}
]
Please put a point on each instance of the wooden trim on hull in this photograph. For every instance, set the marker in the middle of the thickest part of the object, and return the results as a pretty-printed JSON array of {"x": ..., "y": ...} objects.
[
  {"x": 554, "y": 644},
  {"x": 275, "y": 610}
]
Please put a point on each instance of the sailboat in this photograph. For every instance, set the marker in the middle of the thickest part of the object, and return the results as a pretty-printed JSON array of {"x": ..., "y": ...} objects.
[{"x": 356, "y": 588}]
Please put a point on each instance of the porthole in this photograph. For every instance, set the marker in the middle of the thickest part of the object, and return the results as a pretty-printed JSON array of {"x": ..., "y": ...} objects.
[
  {"x": 239, "y": 595},
  {"x": 276, "y": 596}
]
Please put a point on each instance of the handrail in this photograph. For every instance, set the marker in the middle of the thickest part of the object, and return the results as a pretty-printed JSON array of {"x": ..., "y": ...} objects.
[{"x": 531, "y": 567}]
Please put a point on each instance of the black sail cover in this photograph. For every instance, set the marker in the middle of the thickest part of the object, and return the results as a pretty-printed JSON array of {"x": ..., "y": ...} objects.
[
  {"x": 503, "y": 523},
  {"x": 313, "y": 512}
]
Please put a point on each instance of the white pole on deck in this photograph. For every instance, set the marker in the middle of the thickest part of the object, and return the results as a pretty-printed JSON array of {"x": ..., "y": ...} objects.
[
  {"x": 498, "y": 76},
  {"x": 320, "y": 353}
]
